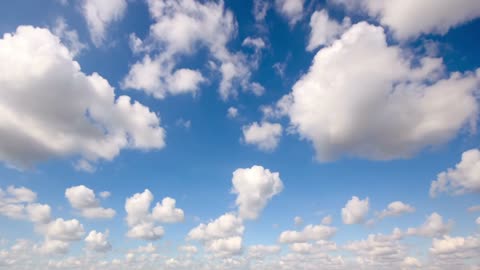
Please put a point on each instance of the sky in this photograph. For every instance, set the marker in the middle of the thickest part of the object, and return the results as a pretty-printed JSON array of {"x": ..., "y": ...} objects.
[{"x": 239, "y": 134}]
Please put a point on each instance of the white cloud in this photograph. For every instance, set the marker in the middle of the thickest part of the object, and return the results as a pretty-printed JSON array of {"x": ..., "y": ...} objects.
[
  {"x": 432, "y": 227},
  {"x": 478, "y": 221},
  {"x": 19, "y": 203},
  {"x": 265, "y": 135},
  {"x": 474, "y": 208},
  {"x": 38, "y": 84},
  {"x": 98, "y": 241},
  {"x": 157, "y": 77},
  {"x": 83, "y": 199},
  {"x": 309, "y": 233},
  {"x": 450, "y": 251},
  {"x": 68, "y": 36},
  {"x": 465, "y": 177},
  {"x": 324, "y": 30},
  {"x": 257, "y": 89},
  {"x": 396, "y": 208},
  {"x": 232, "y": 112},
  {"x": 222, "y": 236},
  {"x": 327, "y": 220},
  {"x": 225, "y": 226},
  {"x": 166, "y": 211},
  {"x": 105, "y": 194},
  {"x": 143, "y": 223},
  {"x": 254, "y": 187},
  {"x": 389, "y": 108},
  {"x": 432, "y": 16},
  {"x": 298, "y": 221},
  {"x": 19, "y": 195},
  {"x": 197, "y": 25},
  {"x": 256, "y": 43},
  {"x": 53, "y": 246},
  {"x": 260, "y": 9},
  {"x": 63, "y": 230},
  {"x": 379, "y": 251},
  {"x": 261, "y": 251},
  {"x": 39, "y": 213},
  {"x": 290, "y": 9},
  {"x": 225, "y": 246},
  {"x": 411, "y": 262},
  {"x": 189, "y": 249},
  {"x": 355, "y": 211},
  {"x": 100, "y": 14}
]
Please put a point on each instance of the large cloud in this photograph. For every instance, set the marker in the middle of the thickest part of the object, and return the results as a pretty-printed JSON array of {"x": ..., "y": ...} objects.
[
  {"x": 465, "y": 177},
  {"x": 431, "y": 16},
  {"x": 255, "y": 186},
  {"x": 50, "y": 108},
  {"x": 364, "y": 98}
]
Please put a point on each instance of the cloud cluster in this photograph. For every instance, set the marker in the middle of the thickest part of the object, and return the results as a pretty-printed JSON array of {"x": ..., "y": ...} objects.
[
  {"x": 37, "y": 74},
  {"x": 309, "y": 233},
  {"x": 20, "y": 203},
  {"x": 465, "y": 177},
  {"x": 222, "y": 236},
  {"x": 362, "y": 97},
  {"x": 432, "y": 16},
  {"x": 143, "y": 223},
  {"x": 197, "y": 25},
  {"x": 83, "y": 199}
]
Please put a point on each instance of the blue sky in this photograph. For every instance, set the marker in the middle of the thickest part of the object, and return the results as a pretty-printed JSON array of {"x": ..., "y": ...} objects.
[{"x": 280, "y": 134}]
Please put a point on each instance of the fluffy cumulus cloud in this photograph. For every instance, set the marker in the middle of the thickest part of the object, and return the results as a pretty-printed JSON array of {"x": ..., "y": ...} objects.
[
  {"x": 355, "y": 211},
  {"x": 379, "y": 251},
  {"x": 309, "y": 233},
  {"x": 261, "y": 251},
  {"x": 20, "y": 203},
  {"x": 364, "y": 98},
  {"x": 396, "y": 208},
  {"x": 433, "y": 226},
  {"x": 40, "y": 80},
  {"x": 450, "y": 251},
  {"x": 166, "y": 212},
  {"x": 254, "y": 187},
  {"x": 100, "y": 14},
  {"x": 465, "y": 177},
  {"x": 198, "y": 24},
  {"x": 432, "y": 16},
  {"x": 58, "y": 234},
  {"x": 98, "y": 241},
  {"x": 292, "y": 10},
  {"x": 265, "y": 135},
  {"x": 84, "y": 200},
  {"x": 324, "y": 30},
  {"x": 143, "y": 222},
  {"x": 222, "y": 236}
]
